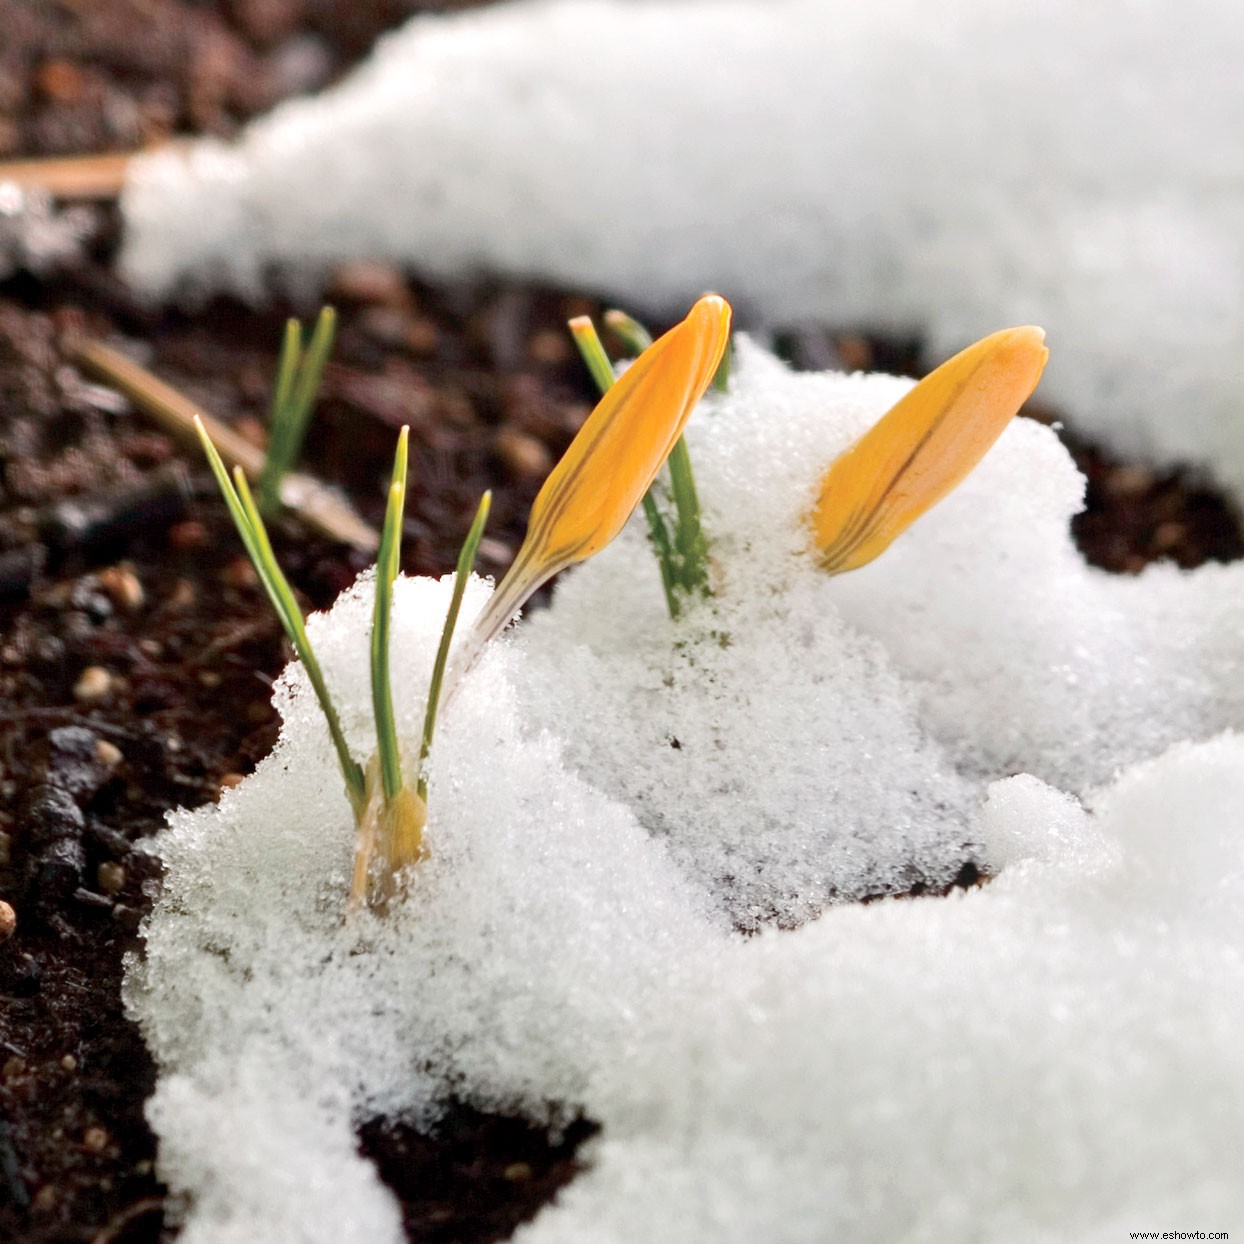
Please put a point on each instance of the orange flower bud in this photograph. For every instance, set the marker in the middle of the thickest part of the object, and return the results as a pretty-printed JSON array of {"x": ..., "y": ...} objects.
[{"x": 924, "y": 447}]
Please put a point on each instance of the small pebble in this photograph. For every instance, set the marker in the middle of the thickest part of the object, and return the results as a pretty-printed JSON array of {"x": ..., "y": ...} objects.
[
  {"x": 572, "y": 416},
  {"x": 183, "y": 595},
  {"x": 549, "y": 347},
  {"x": 14, "y": 1066},
  {"x": 95, "y": 1139},
  {"x": 110, "y": 877},
  {"x": 210, "y": 678},
  {"x": 494, "y": 551},
  {"x": 1167, "y": 536},
  {"x": 238, "y": 572},
  {"x": 187, "y": 535},
  {"x": 523, "y": 455},
  {"x": 369, "y": 281},
  {"x": 855, "y": 353},
  {"x": 517, "y": 1173},
  {"x": 1128, "y": 481},
  {"x": 129, "y": 918},
  {"x": 422, "y": 336},
  {"x": 384, "y": 325},
  {"x": 299, "y": 66},
  {"x": 60, "y": 81},
  {"x": 229, "y": 780},
  {"x": 8, "y": 921},
  {"x": 93, "y": 685},
  {"x": 252, "y": 431},
  {"x": 123, "y": 587},
  {"x": 107, "y": 753},
  {"x": 45, "y": 1198},
  {"x": 267, "y": 21},
  {"x": 69, "y": 1063},
  {"x": 454, "y": 407}
]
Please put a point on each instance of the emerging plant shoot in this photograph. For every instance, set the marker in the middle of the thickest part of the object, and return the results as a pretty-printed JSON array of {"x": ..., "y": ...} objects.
[
  {"x": 298, "y": 375},
  {"x": 682, "y": 555},
  {"x": 611, "y": 462}
]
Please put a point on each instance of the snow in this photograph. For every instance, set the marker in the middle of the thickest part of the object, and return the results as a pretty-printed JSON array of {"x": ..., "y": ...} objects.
[
  {"x": 1054, "y": 1055},
  {"x": 1038, "y": 1061},
  {"x": 943, "y": 168}
]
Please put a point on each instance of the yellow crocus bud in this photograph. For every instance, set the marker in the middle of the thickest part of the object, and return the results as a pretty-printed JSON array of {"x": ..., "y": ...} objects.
[
  {"x": 391, "y": 829},
  {"x": 612, "y": 461},
  {"x": 924, "y": 447}
]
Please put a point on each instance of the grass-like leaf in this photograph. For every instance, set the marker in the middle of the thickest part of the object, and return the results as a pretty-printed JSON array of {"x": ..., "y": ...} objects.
[
  {"x": 466, "y": 560},
  {"x": 254, "y": 536},
  {"x": 299, "y": 373},
  {"x": 387, "y": 563},
  {"x": 591, "y": 351},
  {"x": 628, "y": 330},
  {"x": 721, "y": 377},
  {"x": 690, "y": 546}
]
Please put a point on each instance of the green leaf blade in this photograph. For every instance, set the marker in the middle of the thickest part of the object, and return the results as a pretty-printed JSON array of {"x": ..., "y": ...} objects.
[
  {"x": 387, "y": 565},
  {"x": 466, "y": 560}
]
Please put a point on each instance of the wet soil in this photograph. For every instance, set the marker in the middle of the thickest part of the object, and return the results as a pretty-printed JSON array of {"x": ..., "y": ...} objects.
[{"x": 136, "y": 648}]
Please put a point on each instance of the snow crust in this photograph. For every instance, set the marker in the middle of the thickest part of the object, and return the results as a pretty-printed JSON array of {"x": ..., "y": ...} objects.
[
  {"x": 1053, "y": 1056},
  {"x": 945, "y": 168}
]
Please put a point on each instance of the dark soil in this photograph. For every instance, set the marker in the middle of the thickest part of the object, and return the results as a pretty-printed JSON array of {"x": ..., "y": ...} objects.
[{"x": 136, "y": 649}]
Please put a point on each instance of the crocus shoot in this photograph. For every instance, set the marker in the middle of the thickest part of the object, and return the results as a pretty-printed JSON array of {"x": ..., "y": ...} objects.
[
  {"x": 250, "y": 525},
  {"x": 924, "y": 447},
  {"x": 298, "y": 375},
  {"x": 394, "y": 816},
  {"x": 683, "y": 553},
  {"x": 611, "y": 462},
  {"x": 389, "y": 815}
]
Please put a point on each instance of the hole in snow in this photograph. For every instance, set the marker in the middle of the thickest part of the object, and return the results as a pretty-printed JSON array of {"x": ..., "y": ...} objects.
[{"x": 478, "y": 1177}]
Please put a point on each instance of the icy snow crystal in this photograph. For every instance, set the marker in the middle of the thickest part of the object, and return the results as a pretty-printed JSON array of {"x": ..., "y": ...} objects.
[
  {"x": 944, "y": 167},
  {"x": 1054, "y": 1056}
]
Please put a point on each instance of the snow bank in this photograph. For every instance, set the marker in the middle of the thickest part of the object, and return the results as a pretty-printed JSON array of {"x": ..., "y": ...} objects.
[
  {"x": 942, "y": 167},
  {"x": 546, "y": 926},
  {"x": 1055, "y": 1056},
  {"x": 1040, "y": 1061}
]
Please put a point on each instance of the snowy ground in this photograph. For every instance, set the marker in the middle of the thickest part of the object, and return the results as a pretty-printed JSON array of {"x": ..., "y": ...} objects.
[
  {"x": 1053, "y": 1056},
  {"x": 944, "y": 168}
]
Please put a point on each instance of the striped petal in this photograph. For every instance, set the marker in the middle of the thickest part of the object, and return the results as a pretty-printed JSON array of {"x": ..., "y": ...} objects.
[{"x": 924, "y": 447}]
